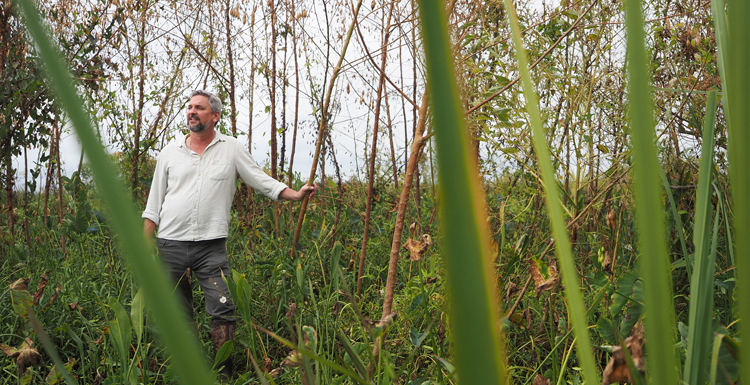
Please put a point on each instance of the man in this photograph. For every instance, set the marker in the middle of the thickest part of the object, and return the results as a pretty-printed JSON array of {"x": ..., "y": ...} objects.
[{"x": 190, "y": 200}]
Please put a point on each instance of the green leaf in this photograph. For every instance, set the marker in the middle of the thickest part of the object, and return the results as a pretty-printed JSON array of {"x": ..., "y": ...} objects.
[
  {"x": 120, "y": 331},
  {"x": 417, "y": 337},
  {"x": 606, "y": 330},
  {"x": 473, "y": 306},
  {"x": 223, "y": 354},
  {"x": 701, "y": 282},
  {"x": 136, "y": 314},
  {"x": 653, "y": 262}
]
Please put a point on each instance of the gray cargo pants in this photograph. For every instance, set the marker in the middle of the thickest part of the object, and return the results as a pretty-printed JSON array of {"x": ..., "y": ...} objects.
[{"x": 207, "y": 259}]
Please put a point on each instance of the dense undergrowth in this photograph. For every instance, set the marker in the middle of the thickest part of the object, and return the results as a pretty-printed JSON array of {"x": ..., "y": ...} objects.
[{"x": 90, "y": 292}]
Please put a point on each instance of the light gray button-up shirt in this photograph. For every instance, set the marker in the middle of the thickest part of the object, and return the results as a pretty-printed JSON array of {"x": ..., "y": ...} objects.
[{"x": 191, "y": 195}]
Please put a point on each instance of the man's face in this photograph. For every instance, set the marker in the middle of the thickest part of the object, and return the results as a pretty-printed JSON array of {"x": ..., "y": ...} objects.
[{"x": 199, "y": 115}]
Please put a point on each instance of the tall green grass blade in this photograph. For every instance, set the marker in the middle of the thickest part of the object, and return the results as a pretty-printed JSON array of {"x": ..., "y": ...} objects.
[
  {"x": 738, "y": 87},
  {"x": 677, "y": 220},
  {"x": 702, "y": 281},
  {"x": 654, "y": 265},
  {"x": 715, "y": 358},
  {"x": 168, "y": 317},
  {"x": 720, "y": 26},
  {"x": 577, "y": 309},
  {"x": 473, "y": 301}
]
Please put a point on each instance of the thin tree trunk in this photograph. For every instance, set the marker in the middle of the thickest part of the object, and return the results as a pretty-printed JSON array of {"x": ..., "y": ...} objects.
[
  {"x": 60, "y": 187},
  {"x": 324, "y": 124},
  {"x": 26, "y": 195},
  {"x": 374, "y": 151},
  {"x": 283, "y": 110},
  {"x": 50, "y": 171},
  {"x": 233, "y": 116},
  {"x": 274, "y": 144},
  {"x": 9, "y": 206},
  {"x": 296, "y": 102},
  {"x": 139, "y": 111},
  {"x": 416, "y": 150},
  {"x": 390, "y": 138}
]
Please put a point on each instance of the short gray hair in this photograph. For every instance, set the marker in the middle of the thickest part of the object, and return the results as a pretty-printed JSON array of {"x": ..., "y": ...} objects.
[{"x": 213, "y": 100}]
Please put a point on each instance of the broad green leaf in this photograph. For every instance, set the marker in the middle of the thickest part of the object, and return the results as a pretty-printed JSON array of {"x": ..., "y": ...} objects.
[
  {"x": 136, "y": 315},
  {"x": 120, "y": 331}
]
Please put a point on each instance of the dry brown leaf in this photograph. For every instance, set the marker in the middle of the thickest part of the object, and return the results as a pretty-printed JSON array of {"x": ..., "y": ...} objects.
[
  {"x": 267, "y": 365},
  {"x": 25, "y": 355},
  {"x": 40, "y": 288},
  {"x": 292, "y": 310},
  {"x": 611, "y": 219},
  {"x": 607, "y": 263},
  {"x": 21, "y": 284},
  {"x": 74, "y": 306},
  {"x": 276, "y": 372},
  {"x": 417, "y": 248},
  {"x": 543, "y": 284},
  {"x": 293, "y": 360},
  {"x": 617, "y": 369},
  {"x": 540, "y": 380},
  {"x": 54, "y": 296},
  {"x": 386, "y": 321}
]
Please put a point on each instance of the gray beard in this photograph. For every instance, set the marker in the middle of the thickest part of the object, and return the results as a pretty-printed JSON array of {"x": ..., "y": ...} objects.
[{"x": 198, "y": 127}]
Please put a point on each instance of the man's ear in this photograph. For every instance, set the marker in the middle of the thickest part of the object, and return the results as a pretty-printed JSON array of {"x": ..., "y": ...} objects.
[{"x": 217, "y": 117}]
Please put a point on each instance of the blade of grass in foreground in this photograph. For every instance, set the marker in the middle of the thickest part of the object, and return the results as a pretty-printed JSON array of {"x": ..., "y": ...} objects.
[
  {"x": 738, "y": 87},
  {"x": 191, "y": 367},
  {"x": 473, "y": 301},
  {"x": 702, "y": 281},
  {"x": 654, "y": 266},
  {"x": 577, "y": 309}
]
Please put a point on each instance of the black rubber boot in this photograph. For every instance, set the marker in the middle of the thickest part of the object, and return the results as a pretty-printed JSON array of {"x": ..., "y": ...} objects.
[{"x": 222, "y": 332}]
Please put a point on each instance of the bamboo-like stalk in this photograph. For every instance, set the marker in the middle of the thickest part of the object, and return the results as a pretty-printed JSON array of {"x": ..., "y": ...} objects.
[
  {"x": 738, "y": 92},
  {"x": 230, "y": 60},
  {"x": 141, "y": 100},
  {"x": 417, "y": 146},
  {"x": 577, "y": 310},
  {"x": 323, "y": 127},
  {"x": 272, "y": 93},
  {"x": 374, "y": 151},
  {"x": 653, "y": 261}
]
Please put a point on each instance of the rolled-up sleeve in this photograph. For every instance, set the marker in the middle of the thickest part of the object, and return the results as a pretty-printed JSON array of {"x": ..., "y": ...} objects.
[
  {"x": 157, "y": 192},
  {"x": 254, "y": 176}
]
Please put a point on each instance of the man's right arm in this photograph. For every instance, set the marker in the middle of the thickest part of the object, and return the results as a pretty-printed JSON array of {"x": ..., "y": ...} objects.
[
  {"x": 155, "y": 199},
  {"x": 148, "y": 229}
]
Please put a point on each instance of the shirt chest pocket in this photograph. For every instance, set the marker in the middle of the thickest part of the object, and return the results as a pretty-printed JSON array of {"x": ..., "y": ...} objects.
[{"x": 218, "y": 170}]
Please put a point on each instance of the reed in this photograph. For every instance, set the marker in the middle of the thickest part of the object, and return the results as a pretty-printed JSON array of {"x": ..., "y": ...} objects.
[
  {"x": 473, "y": 301},
  {"x": 738, "y": 92},
  {"x": 653, "y": 260}
]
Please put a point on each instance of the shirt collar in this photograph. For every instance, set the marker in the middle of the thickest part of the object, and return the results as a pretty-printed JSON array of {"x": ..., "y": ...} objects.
[{"x": 218, "y": 137}]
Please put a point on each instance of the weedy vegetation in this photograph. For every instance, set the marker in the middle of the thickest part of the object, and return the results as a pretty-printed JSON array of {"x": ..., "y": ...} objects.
[{"x": 586, "y": 225}]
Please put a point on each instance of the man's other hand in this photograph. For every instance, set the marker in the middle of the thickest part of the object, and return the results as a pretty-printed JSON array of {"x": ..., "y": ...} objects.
[{"x": 292, "y": 195}]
